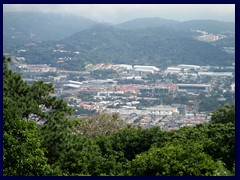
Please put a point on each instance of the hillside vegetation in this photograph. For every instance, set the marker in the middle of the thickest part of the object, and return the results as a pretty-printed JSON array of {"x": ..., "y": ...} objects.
[
  {"x": 161, "y": 46},
  {"x": 40, "y": 137},
  {"x": 45, "y": 38}
]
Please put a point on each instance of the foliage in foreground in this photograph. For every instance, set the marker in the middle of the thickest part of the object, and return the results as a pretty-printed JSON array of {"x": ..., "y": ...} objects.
[{"x": 103, "y": 145}]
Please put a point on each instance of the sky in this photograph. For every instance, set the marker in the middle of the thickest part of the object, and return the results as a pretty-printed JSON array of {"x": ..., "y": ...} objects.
[{"x": 117, "y": 13}]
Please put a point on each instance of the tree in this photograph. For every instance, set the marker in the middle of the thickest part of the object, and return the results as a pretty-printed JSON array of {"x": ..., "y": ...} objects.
[
  {"x": 22, "y": 152},
  {"x": 57, "y": 138},
  {"x": 180, "y": 160},
  {"x": 224, "y": 114},
  {"x": 220, "y": 142},
  {"x": 85, "y": 159},
  {"x": 103, "y": 144},
  {"x": 217, "y": 140},
  {"x": 133, "y": 141},
  {"x": 101, "y": 124},
  {"x": 34, "y": 101},
  {"x": 104, "y": 74}
]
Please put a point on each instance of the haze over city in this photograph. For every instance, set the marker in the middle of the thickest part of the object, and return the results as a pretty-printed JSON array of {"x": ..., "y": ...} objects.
[{"x": 118, "y": 13}]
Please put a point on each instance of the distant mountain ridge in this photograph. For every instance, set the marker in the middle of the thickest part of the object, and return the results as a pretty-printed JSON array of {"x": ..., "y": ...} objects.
[
  {"x": 25, "y": 27},
  {"x": 160, "y": 46},
  {"x": 150, "y": 22},
  {"x": 212, "y": 26},
  {"x": 170, "y": 42}
]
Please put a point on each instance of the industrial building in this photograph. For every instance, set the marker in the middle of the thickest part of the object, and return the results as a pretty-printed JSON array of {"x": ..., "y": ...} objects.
[
  {"x": 150, "y": 68},
  {"x": 215, "y": 74},
  {"x": 144, "y": 70},
  {"x": 194, "y": 87},
  {"x": 162, "y": 90},
  {"x": 156, "y": 90},
  {"x": 187, "y": 66},
  {"x": 124, "y": 66},
  {"x": 181, "y": 68}
]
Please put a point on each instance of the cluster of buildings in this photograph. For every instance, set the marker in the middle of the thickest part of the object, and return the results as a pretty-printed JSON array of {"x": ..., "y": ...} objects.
[
  {"x": 139, "y": 104},
  {"x": 208, "y": 37},
  {"x": 194, "y": 70},
  {"x": 37, "y": 68},
  {"x": 132, "y": 69}
]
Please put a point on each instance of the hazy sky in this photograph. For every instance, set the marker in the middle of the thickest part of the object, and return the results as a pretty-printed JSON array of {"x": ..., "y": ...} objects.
[{"x": 117, "y": 13}]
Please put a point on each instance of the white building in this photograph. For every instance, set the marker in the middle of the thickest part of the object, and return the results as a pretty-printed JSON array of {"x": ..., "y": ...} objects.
[
  {"x": 146, "y": 68},
  {"x": 75, "y": 82},
  {"x": 187, "y": 66},
  {"x": 233, "y": 87},
  {"x": 215, "y": 74},
  {"x": 124, "y": 66},
  {"x": 71, "y": 85},
  {"x": 173, "y": 70}
]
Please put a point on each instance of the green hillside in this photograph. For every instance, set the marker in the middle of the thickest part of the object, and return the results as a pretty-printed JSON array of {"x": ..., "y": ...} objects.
[{"x": 161, "y": 46}]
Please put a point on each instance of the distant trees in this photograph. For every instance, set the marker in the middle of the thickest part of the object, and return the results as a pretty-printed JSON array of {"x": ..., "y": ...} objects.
[
  {"x": 224, "y": 114},
  {"x": 101, "y": 124},
  {"x": 151, "y": 46},
  {"x": 212, "y": 102},
  {"x": 104, "y": 74},
  {"x": 129, "y": 81}
]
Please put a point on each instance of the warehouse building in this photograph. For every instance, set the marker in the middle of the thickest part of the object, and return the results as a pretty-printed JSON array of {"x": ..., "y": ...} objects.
[{"x": 194, "y": 87}]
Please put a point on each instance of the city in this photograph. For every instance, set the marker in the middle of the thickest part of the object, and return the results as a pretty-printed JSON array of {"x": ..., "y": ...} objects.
[
  {"x": 119, "y": 90},
  {"x": 143, "y": 96}
]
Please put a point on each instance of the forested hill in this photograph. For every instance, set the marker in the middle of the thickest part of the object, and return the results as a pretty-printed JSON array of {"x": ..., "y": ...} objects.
[
  {"x": 26, "y": 27},
  {"x": 212, "y": 26},
  {"x": 155, "y": 41},
  {"x": 141, "y": 23},
  {"x": 103, "y": 145},
  {"x": 159, "y": 46}
]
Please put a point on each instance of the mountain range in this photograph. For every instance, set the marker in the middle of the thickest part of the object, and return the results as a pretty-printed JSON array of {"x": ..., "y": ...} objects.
[{"x": 149, "y": 41}]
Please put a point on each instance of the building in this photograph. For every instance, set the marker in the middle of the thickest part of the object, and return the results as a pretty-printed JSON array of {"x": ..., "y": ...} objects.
[
  {"x": 217, "y": 74},
  {"x": 145, "y": 90},
  {"x": 162, "y": 90},
  {"x": 181, "y": 68},
  {"x": 173, "y": 70},
  {"x": 150, "y": 68},
  {"x": 187, "y": 66},
  {"x": 101, "y": 82},
  {"x": 156, "y": 90},
  {"x": 144, "y": 70},
  {"x": 124, "y": 66},
  {"x": 194, "y": 87},
  {"x": 233, "y": 87},
  {"x": 75, "y": 82},
  {"x": 70, "y": 86}
]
